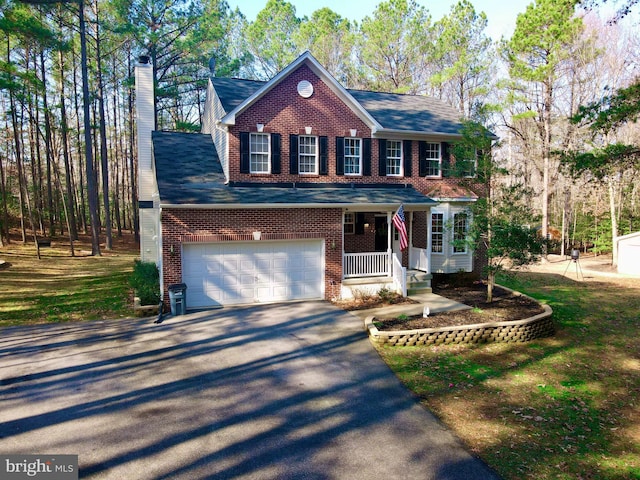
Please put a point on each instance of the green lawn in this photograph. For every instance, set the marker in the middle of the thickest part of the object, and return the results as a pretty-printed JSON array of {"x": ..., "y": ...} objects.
[
  {"x": 566, "y": 407},
  {"x": 60, "y": 288}
]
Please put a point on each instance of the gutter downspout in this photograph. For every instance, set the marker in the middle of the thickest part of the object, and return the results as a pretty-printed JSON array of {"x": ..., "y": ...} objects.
[{"x": 160, "y": 266}]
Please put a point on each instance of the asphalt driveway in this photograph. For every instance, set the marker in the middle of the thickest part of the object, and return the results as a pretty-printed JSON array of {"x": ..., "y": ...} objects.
[{"x": 290, "y": 391}]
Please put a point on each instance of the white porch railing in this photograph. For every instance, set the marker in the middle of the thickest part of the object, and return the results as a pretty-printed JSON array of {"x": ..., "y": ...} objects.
[
  {"x": 368, "y": 264},
  {"x": 418, "y": 259},
  {"x": 399, "y": 275}
]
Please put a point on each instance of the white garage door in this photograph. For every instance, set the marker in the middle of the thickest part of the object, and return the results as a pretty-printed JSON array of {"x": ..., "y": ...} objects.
[{"x": 249, "y": 272}]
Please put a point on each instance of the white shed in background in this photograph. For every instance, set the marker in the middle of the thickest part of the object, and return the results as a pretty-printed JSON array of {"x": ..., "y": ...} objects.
[{"x": 629, "y": 254}]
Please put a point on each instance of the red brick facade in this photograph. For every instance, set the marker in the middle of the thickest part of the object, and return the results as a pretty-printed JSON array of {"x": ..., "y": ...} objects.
[
  {"x": 206, "y": 225},
  {"x": 283, "y": 111}
]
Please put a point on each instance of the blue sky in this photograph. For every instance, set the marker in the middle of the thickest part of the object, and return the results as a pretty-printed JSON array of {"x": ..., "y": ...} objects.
[{"x": 500, "y": 13}]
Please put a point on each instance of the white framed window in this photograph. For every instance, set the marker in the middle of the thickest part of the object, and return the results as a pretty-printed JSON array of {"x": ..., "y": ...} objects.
[
  {"x": 259, "y": 153},
  {"x": 394, "y": 158},
  {"x": 349, "y": 223},
  {"x": 307, "y": 155},
  {"x": 433, "y": 160},
  {"x": 469, "y": 167},
  {"x": 352, "y": 156},
  {"x": 437, "y": 232},
  {"x": 460, "y": 227}
]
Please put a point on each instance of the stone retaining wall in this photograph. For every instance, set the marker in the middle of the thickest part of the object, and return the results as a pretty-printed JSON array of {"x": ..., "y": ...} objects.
[{"x": 538, "y": 326}]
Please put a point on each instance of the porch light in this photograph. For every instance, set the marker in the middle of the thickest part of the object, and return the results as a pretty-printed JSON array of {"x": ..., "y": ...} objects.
[
  {"x": 260, "y": 127},
  {"x": 307, "y": 130},
  {"x": 257, "y": 235}
]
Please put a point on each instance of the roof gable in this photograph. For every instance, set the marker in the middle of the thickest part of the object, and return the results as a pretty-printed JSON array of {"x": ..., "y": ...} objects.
[
  {"x": 384, "y": 113},
  {"x": 258, "y": 91}
]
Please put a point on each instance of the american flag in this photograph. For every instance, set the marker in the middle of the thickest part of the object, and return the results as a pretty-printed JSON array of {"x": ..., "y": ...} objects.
[{"x": 400, "y": 224}]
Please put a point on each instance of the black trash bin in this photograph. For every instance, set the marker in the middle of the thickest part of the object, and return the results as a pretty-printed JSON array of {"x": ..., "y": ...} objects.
[{"x": 178, "y": 298}]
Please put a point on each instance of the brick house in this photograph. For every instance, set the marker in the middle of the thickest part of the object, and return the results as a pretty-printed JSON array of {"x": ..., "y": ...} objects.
[{"x": 290, "y": 190}]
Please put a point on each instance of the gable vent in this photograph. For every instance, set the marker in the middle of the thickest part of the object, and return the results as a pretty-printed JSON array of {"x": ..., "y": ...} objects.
[{"x": 305, "y": 89}]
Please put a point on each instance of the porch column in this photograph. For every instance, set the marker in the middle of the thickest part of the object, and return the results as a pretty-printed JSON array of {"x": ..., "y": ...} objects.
[
  {"x": 342, "y": 234},
  {"x": 389, "y": 244},
  {"x": 429, "y": 240},
  {"x": 410, "y": 231},
  {"x": 410, "y": 245}
]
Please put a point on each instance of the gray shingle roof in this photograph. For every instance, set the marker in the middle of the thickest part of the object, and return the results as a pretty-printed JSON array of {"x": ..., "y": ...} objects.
[
  {"x": 185, "y": 162},
  {"x": 233, "y": 91},
  {"x": 411, "y": 113},
  {"x": 188, "y": 172}
]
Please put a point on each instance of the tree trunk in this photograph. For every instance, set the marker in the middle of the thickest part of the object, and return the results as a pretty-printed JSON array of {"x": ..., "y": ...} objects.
[
  {"x": 82, "y": 210},
  {"x": 91, "y": 183},
  {"x": 133, "y": 166},
  {"x": 491, "y": 281},
  {"x": 614, "y": 219},
  {"x": 66, "y": 210},
  {"x": 4, "y": 222},
  {"x": 117, "y": 155},
  {"x": 104, "y": 160},
  {"x": 47, "y": 145},
  {"x": 23, "y": 190},
  {"x": 18, "y": 149},
  {"x": 546, "y": 153},
  {"x": 70, "y": 205}
]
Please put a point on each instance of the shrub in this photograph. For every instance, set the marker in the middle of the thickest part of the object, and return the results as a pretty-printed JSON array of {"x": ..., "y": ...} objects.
[
  {"x": 361, "y": 295},
  {"x": 387, "y": 295},
  {"x": 145, "y": 280}
]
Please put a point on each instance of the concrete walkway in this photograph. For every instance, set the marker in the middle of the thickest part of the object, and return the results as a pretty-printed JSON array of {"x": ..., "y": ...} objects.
[
  {"x": 436, "y": 303},
  {"x": 291, "y": 391}
]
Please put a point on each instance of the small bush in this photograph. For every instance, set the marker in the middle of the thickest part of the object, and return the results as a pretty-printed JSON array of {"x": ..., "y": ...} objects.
[
  {"x": 387, "y": 295},
  {"x": 361, "y": 295},
  {"x": 145, "y": 280}
]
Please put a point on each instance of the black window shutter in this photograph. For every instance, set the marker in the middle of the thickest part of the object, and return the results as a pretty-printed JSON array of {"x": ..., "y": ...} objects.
[
  {"x": 359, "y": 226},
  {"x": 406, "y": 152},
  {"x": 244, "y": 152},
  {"x": 446, "y": 160},
  {"x": 422, "y": 161},
  {"x": 293, "y": 154},
  {"x": 324, "y": 155},
  {"x": 339, "y": 155},
  {"x": 382, "y": 157},
  {"x": 276, "y": 147},
  {"x": 366, "y": 157}
]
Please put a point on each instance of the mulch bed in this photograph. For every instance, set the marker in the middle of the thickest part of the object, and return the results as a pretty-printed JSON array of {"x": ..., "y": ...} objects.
[{"x": 505, "y": 307}]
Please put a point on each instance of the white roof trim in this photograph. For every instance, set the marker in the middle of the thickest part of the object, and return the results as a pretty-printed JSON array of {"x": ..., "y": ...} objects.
[
  {"x": 332, "y": 83},
  {"x": 415, "y": 134},
  {"x": 455, "y": 199}
]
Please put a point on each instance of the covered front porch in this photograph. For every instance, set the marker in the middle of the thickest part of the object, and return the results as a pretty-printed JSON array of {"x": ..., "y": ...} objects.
[{"x": 372, "y": 257}]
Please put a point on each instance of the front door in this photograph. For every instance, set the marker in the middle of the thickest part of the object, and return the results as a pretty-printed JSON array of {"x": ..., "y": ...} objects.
[{"x": 381, "y": 234}]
